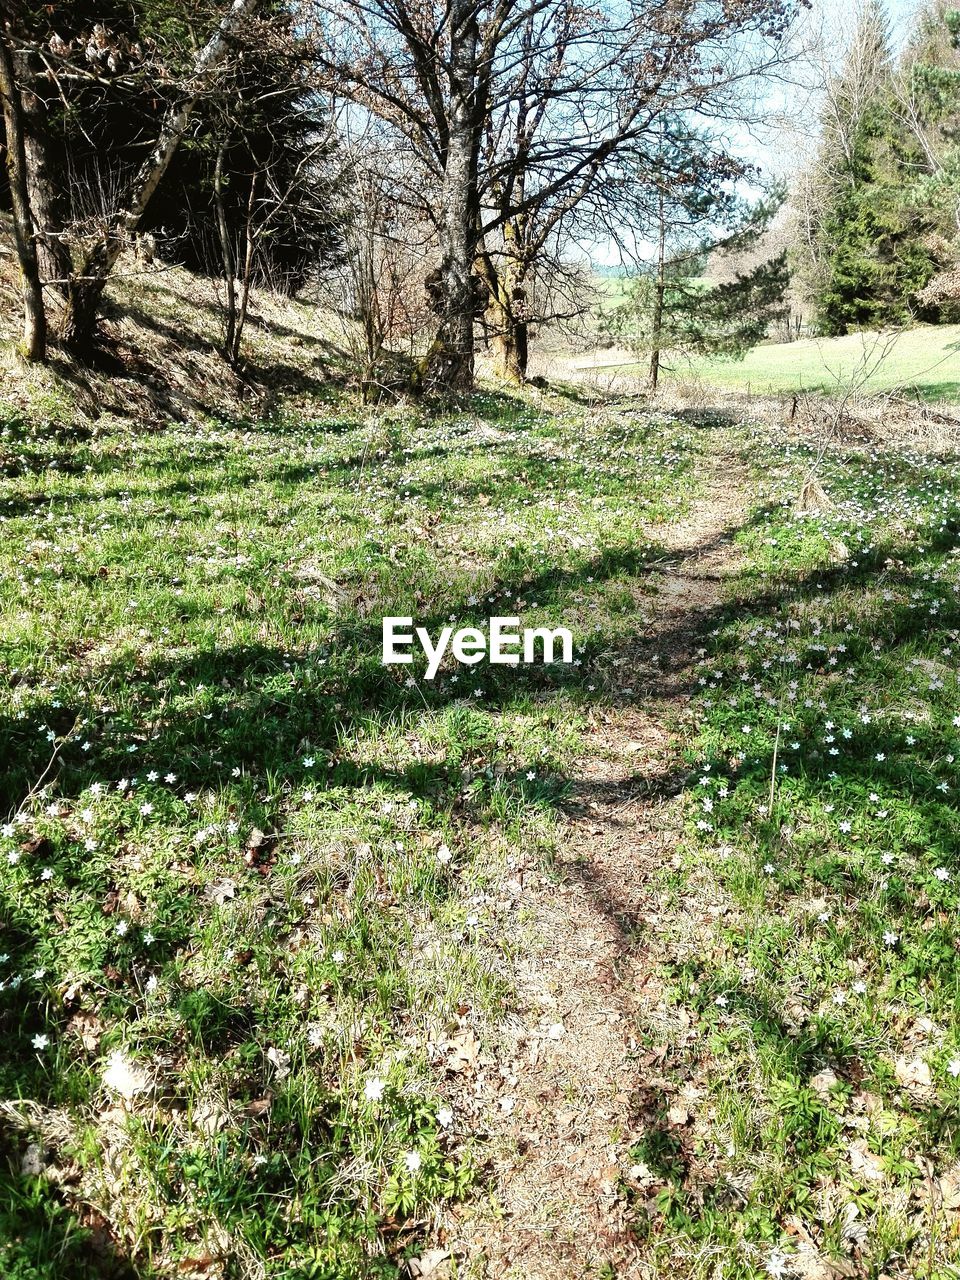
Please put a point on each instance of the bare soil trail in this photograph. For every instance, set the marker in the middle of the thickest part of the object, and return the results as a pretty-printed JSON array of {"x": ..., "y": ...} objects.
[{"x": 582, "y": 1071}]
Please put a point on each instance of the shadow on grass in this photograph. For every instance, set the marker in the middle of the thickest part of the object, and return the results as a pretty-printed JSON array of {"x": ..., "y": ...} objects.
[
  {"x": 279, "y": 707},
  {"x": 41, "y": 1236}
]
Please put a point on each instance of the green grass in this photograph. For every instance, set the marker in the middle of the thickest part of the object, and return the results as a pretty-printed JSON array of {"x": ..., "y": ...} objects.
[
  {"x": 922, "y": 362},
  {"x": 251, "y": 875},
  {"x": 246, "y": 867},
  {"x": 824, "y": 834}
]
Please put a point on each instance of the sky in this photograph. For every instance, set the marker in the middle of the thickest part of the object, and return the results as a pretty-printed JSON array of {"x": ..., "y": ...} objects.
[
  {"x": 836, "y": 18},
  {"x": 901, "y": 11},
  {"x": 779, "y": 146}
]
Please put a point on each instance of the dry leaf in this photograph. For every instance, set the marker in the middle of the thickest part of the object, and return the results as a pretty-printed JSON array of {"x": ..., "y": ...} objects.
[
  {"x": 639, "y": 1174},
  {"x": 281, "y": 1061},
  {"x": 809, "y": 1264},
  {"x": 914, "y": 1072},
  {"x": 88, "y": 1027},
  {"x": 221, "y": 890},
  {"x": 428, "y": 1264},
  {"x": 823, "y": 1082},
  {"x": 865, "y": 1163},
  {"x": 200, "y": 1266},
  {"x": 210, "y": 1119},
  {"x": 950, "y": 1188},
  {"x": 462, "y": 1052},
  {"x": 130, "y": 906}
]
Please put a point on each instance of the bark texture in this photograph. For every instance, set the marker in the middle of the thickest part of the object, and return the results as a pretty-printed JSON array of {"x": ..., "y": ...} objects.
[
  {"x": 34, "y": 344},
  {"x": 506, "y": 312},
  {"x": 44, "y": 192},
  {"x": 450, "y": 361}
]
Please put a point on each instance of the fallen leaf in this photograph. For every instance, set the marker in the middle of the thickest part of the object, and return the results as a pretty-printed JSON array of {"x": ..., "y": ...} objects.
[
  {"x": 210, "y": 1119},
  {"x": 950, "y": 1188},
  {"x": 427, "y": 1264},
  {"x": 221, "y": 890},
  {"x": 865, "y": 1162},
  {"x": 201, "y": 1265},
  {"x": 281, "y": 1061},
  {"x": 810, "y": 1264},
  {"x": 640, "y": 1174},
  {"x": 462, "y": 1052},
  {"x": 88, "y": 1027},
  {"x": 823, "y": 1082},
  {"x": 913, "y": 1072},
  {"x": 131, "y": 908}
]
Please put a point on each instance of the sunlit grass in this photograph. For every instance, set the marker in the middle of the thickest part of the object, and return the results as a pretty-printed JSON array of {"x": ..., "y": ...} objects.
[{"x": 250, "y": 876}]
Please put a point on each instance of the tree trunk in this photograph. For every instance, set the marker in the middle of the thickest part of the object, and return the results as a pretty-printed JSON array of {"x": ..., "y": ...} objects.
[
  {"x": 506, "y": 307},
  {"x": 53, "y": 255},
  {"x": 659, "y": 294},
  {"x": 227, "y": 259},
  {"x": 86, "y": 288},
  {"x": 449, "y": 364},
  {"x": 505, "y": 347},
  {"x": 34, "y": 345},
  {"x": 510, "y": 337},
  {"x": 247, "y": 278}
]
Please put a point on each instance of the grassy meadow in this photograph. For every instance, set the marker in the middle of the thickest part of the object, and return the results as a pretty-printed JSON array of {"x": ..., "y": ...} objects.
[
  {"x": 250, "y": 875},
  {"x": 823, "y": 846},
  {"x": 921, "y": 363},
  {"x": 256, "y": 895}
]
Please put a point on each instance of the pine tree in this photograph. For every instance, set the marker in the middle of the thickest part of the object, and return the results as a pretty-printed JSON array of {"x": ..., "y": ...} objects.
[
  {"x": 870, "y": 262},
  {"x": 672, "y": 308},
  {"x": 123, "y": 61},
  {"x": 932, "y": 113}
]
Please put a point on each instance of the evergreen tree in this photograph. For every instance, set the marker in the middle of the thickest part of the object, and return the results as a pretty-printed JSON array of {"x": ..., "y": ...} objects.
[
  {"x": 932, "y": 112},
  {"x": 256, "y": 172},
  {"x": 870, "y": 261},
  {"x": 117, "y": 66},
  {"x": 874, "y": 260},
  {"x": 671, "y": 307}
]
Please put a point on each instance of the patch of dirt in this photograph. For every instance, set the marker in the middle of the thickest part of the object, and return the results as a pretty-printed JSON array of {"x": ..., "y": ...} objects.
[{"x": 586, "y": 1072}]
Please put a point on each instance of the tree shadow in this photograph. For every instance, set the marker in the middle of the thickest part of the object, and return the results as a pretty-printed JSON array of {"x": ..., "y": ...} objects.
[
  {"x": 40, "y": 1234},
  {"x": 275, "y": 708}
]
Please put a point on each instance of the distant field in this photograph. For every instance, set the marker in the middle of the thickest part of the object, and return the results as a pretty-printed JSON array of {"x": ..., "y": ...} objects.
[
  {"x": 924, "y": 361},
  {"x": 613, "y": 291}
]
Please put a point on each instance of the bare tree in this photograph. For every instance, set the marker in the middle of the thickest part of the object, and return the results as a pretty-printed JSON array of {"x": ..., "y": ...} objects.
[
  {"x": 32, "y": 73},
  {"x": 88, "y": 283},
  {"x": 390, "y": 239},
  {"x": 519, "y": 111},
  {"x": 34, "y": 344},
  {"x": 847, "y": 92}
]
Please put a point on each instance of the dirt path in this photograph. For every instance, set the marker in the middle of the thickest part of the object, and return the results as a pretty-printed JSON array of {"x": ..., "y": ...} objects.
[{"x": 581, "y": 1071}]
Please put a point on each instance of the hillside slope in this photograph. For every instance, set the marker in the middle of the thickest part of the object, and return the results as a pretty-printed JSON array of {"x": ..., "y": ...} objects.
[{"x": 162, "y": 327}]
